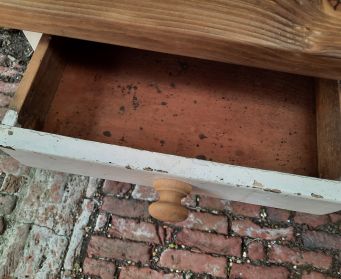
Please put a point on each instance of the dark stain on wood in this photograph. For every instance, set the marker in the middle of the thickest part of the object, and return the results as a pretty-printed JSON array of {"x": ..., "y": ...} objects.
[
  {"x": 107, "y": 133},
  {"x": 242, "y": 116}
]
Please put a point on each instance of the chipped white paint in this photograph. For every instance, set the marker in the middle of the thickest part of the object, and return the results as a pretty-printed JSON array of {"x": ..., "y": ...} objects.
[
  {"x": 268, "y": 188},
  {"x": 10, "y": 118},
  {"x": 33, "y": 38},
  {"x": 141, "y": 193}
]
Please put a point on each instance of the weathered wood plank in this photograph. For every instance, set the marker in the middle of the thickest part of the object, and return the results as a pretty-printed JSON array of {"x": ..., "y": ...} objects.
[
  {"x": 328, "y": 112},
  {"x": 302, "y": 37}
]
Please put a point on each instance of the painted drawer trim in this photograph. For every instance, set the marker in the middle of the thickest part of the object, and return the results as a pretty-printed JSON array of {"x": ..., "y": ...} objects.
[{"x": 268, "y": 188}]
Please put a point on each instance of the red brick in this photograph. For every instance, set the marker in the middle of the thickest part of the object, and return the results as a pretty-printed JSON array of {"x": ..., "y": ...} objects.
[
  {"x": 129, "y": 272},
  {"x": 99, "y": 268},
  {"x": 134, "y": 230},
  {"x": 310, "y": 219},
  {"x": 335, "y": 218},
  {"x": 210, "y": 243},
  {"x": 245, "y": 209},
  {"x": 12, "y": 166},
  {"x": 12, "y": 183},
  {"x": 189, "y": 201},
  {"x": 315, "y": 275},
  {"x": 282, "y": 254},
  {"x": 205, "y": 222},
  {"x": 8, "y": 88},
  {"x": 277, "y": 215},
  {"x": 7, "y": 204},
  {"x": 5, "y": 100},
  {"x": 115, "y": 188},
  {"x": 214, "y": 203},
  {"x": 168, "y": 232},
  {"x": 145, "y": 193},
  {"x": 314, "y": 239},
  {"x": 126, "y": 208},
  {"x": 118, "y": 249},
  {"x": 250, "y": 229},
  {"x": 8, "y": 72},
  {"x": 198, "y": 263},
  {"x": 256, "y": 251},
  {"x": 247, "y": 271}
]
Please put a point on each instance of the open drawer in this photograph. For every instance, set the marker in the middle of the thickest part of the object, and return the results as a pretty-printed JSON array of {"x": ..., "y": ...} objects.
[{"x": 130, "y": 115}]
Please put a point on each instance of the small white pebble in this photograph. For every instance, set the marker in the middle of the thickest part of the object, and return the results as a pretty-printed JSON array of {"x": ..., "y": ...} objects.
[
  {"x": 244, "y": 254},
  {"x": 248, "y": 261},
  {"x": 239, "y": 261},
  {"x": 294, "y": 267}
]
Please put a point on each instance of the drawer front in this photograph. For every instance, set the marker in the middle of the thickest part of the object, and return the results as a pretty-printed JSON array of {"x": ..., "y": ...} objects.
[
  {"x": 268, "y": 188},
  {"x": 50, "y": 90}
]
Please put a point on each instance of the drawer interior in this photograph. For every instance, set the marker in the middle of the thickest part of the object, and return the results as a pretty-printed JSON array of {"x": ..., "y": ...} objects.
[{"x": 175, "y": 105}]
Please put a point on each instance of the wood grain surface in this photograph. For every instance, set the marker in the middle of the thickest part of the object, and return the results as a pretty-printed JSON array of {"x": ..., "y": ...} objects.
[
  {"x": 328, "y": 111},
  {"x": 294, "y": 36},
  {"x": 185, "y": 106},
  {"x": 39, "y": 84}
]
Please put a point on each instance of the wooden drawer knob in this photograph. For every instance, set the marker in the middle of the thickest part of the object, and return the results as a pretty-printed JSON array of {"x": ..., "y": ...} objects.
[{"x": 168, "y": 208}]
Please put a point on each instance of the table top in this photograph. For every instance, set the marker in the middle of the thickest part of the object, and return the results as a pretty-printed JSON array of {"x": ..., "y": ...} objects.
[{"x": 301, "y": 37}]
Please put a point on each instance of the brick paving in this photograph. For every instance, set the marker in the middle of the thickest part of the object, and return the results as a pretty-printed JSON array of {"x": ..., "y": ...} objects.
[{"x": 56, "y": 225}]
